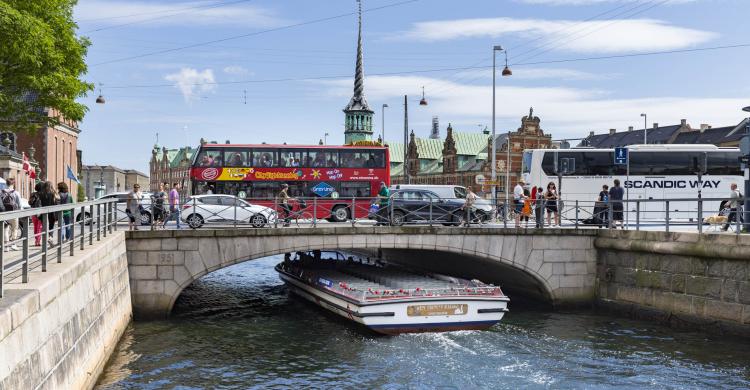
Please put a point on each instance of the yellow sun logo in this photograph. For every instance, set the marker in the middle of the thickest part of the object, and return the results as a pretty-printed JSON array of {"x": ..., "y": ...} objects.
[{"x": 316, "y": 173}]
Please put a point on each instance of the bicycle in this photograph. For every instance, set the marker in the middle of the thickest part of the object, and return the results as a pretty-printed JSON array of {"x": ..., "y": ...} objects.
[{"x": 298, "y": 212}]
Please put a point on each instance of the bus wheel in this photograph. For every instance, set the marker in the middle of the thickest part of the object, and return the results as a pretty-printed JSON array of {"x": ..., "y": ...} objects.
[
  {"x": 339, "y": 214},
  {"x": 195, "y": 221}
]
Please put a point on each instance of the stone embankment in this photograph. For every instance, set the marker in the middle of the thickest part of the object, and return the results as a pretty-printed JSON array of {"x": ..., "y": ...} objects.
[
  {"x": 684, "y": 279},
  {"x": 58, "y": 330}
]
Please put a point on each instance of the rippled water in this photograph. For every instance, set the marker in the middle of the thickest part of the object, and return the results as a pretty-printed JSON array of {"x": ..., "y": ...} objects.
[{"x": 238, "y": 328}]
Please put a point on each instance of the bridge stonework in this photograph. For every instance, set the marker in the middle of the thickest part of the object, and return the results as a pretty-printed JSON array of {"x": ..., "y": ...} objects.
[{"x": 561, "y": 264}]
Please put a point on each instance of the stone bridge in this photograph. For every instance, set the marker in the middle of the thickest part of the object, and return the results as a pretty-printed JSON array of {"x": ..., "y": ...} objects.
[{"x": 554, "y": 265}]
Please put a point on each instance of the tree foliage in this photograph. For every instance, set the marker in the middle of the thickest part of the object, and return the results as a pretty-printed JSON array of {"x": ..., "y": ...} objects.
[{"x": 41, "y": 64}]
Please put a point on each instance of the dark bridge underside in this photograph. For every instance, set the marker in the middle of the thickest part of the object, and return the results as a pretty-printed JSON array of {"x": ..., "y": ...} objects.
[{"x": 514, "y": 281}]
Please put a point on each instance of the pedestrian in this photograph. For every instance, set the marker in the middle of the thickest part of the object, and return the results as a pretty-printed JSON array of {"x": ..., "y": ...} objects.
[
  {"x": 11, "y": 202},
  {"x": 133, "y": 206},
  {"x": 65, "y": 198},
  {"x": 616, "y": 194},
  {"x": 539, "y": 207},
  {"x": 527, "y": 205},
  {"x": 551, "y": 197},
  {"x": 384, "y": 203},
  {"x": 36, "y": 202},
  {"x": 601, "y": 207},
  {"x": 468, "y": 207},
  {"x": 158, "y": 200},
  {"x": 283, "y": 200},
  {"x": 518, "y": 199},
  {"x": 733, "y": 204},
  {"x": 48, "y": 197},
  {"x": 174, "y": 205}
]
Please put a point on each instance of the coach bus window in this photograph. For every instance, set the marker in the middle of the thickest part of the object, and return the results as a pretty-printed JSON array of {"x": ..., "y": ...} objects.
[
  {"x": 724, "y": 163},
  {"x": 210, "y": 158},
  {"x": 526, "y": 163},
  {"x": 292, "y": 157},
  {"x": 599, "y": 164},
  {"x": 353, "y": 189},
  {"x": 236, "y": 157},
  {"x": 264, "y": 158}
]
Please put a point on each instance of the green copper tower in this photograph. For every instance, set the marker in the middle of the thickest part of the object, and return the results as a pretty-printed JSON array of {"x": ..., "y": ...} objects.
[{"x": 358, "y": 115}]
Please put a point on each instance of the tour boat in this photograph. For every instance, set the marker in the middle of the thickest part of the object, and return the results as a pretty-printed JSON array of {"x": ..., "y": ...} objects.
[{"x": 389, "y": 299}]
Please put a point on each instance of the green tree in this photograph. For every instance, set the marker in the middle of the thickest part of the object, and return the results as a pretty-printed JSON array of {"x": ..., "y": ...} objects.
[{"x": 41, "y": 64}]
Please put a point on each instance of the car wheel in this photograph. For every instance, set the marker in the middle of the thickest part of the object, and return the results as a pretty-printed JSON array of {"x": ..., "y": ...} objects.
[
  {"x": 482, "y": 216},
  {"x": 258, "y": 221},
  {"x": 339, "y": 214},
  {"x": 398, "y": 219},
  {"x": 455, "y": 220},
  {"x": 85, "y": 215},
  {"x": 146, "y": 218},
  {"x": 195, "y": 221}
]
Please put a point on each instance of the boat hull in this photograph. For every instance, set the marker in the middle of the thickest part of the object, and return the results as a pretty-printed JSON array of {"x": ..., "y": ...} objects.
[{"x": 423, "y": 314}]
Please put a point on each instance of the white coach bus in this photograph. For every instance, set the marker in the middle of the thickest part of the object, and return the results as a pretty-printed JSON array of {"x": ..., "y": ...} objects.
[{"x": 652, "y": 172}]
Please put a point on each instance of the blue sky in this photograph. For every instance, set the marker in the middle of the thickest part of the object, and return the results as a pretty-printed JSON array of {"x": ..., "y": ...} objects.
[{"x": 199, "y": 91}]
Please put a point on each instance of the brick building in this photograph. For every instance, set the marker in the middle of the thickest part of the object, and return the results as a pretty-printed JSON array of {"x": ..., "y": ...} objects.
[
  {"x": 461, "y": 157},
  {"x": 11, "y": 165},
  {"x": 56, "y": 148},
  {"x": 170, "y": 166}
]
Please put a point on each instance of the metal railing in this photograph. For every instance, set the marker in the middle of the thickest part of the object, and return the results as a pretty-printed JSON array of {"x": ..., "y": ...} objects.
[
  {"x": 637, "y": 214},
  {"x": 54, "y": 230}
]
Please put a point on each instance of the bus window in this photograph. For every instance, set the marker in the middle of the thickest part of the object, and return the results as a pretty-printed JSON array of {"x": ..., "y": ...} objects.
[
  {"x": 233, "y": 188},
  {"x": 724, "y": 163},
  {"x": 351, "y": 159},
  {"x": 292, "y": 157},
  {"x": 236, "y": 158},
  {"x": 322, "y": 159},
  {"x": 210, "y": 158},
  {"x": 298, "y": 189},
  {"x": 354, "y": 189},
  {"x": 265, "y": 189},
  {"x": 526, "y": 162},
  {"x": 264, "y": 158}
]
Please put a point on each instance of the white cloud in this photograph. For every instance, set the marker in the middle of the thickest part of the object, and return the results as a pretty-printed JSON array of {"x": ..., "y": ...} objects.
[
  {"x": 611, "y": 36},
  {"x": 191, "y": 81},
  {"x": 236, "y": 70},
  {"x": 566, "y": 112},
  {"x": 101, "y": 13}
]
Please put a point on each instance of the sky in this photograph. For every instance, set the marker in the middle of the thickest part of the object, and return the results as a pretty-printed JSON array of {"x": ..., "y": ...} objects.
[{"x": 252, "y": 71}]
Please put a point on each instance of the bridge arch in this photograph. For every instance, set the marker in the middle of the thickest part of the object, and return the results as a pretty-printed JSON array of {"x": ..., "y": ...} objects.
[{"x": 162, "y": 264}]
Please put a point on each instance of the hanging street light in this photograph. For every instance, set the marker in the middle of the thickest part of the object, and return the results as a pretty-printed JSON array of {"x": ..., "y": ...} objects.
[
  {"x": 100, "y": 99},
  {"x": 423, "y": 102}
]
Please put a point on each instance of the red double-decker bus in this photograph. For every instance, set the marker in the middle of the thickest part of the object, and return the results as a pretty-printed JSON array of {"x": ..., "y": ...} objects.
[{"x": 331, "y": 175}]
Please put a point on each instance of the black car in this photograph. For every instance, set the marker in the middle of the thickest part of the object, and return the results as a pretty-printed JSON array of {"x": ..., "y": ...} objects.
[{"x": 415, "y": 206}]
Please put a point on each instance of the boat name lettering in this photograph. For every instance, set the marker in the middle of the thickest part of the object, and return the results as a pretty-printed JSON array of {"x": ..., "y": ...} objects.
[
  {"x": 446, "y": 309},
  {"x": 325, "y": 282}
]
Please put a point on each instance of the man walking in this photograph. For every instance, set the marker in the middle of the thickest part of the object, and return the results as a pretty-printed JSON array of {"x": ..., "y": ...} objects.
[
  {"x": 384, "y": 202},
  {"x": 616, "y": 195},
  {"x": 174, "y": 205},
  {"x": 734, "y": 203}
]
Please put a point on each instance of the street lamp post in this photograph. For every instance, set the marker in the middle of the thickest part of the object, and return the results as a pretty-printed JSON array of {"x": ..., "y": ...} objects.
[
  {"x": 506, "y": 72},
  {"x": 325, "y": 138},
  {"x": 382, "y": 127},
  {"x": 745, "y": 148},
  {"x": 645, "y": 128}
]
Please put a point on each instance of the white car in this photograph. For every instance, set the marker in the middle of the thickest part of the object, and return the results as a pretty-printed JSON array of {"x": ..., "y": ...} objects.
[
  {"x": 200, "y": 209},
  {"x": 122, "y": 198}
]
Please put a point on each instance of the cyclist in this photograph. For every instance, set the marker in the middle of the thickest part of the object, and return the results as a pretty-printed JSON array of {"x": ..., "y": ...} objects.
[{"x": 283, "y": 200}]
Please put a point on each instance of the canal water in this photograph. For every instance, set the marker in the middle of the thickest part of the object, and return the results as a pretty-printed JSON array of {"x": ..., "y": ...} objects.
[{"x": 239, "y": 328}]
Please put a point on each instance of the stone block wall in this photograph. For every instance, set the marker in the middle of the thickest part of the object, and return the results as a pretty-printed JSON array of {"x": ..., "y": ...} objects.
[
  {"x": 58, "y": 330},
  {"x": 684, "y": 279}
]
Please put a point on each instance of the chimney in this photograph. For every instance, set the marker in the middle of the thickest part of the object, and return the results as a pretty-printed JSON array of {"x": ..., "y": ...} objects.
[
  {"x": 705, "y": 126},
  {"x": 612, "y": 131},
  {"x": 630, "y": 128},
  {"x": 683, "y": 122},
  {"x": 656, "y": 125},
  {"x": 591, "y": 133}
]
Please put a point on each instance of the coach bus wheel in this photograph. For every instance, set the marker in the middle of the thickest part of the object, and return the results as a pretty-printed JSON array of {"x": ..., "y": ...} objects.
[
  {"x": 195, "y": 221},
  {"x": 339, "y": 214}
]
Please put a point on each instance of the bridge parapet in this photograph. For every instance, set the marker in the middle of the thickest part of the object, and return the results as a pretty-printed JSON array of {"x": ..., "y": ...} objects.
[{"x": 560, "y": 263}]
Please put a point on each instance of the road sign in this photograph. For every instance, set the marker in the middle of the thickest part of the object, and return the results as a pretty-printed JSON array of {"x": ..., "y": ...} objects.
[
  {"x": 621, "y": 156},
  {"x": 323, "y": 189}
]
